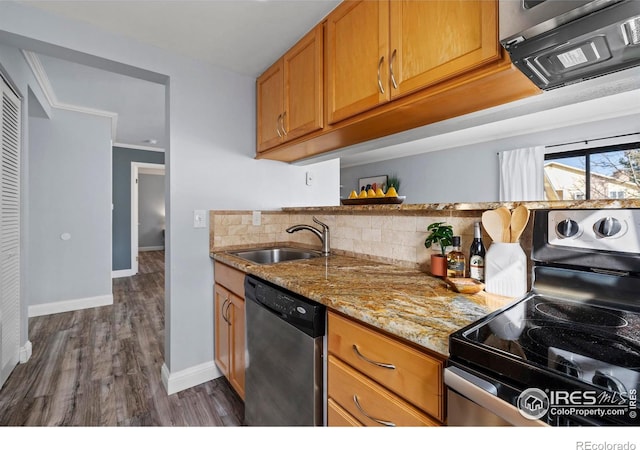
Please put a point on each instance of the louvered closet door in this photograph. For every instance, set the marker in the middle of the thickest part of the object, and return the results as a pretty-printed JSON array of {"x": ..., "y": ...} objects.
[{"x": 9, "y": 232}]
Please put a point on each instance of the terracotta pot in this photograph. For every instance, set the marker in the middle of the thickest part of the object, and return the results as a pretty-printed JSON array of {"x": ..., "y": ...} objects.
[{"x": 438, "y": 266}]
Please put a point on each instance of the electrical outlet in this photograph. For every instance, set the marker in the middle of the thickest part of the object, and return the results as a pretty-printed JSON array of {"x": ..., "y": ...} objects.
[
  {"x": 257, "y": 218},
  {"x": 309, "y": 178},
  {"x": 199, "y": 218}
]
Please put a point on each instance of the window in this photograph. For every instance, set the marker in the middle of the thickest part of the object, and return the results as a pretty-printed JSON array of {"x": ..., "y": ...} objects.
[{"x": 611, "y": 172}]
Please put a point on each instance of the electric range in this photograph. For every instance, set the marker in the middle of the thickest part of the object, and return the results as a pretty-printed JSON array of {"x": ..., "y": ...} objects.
[{"x": 568, "y": 352}]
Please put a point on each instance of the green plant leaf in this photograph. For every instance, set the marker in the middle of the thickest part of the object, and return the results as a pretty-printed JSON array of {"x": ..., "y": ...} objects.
[{"x": 439, "y": 233}]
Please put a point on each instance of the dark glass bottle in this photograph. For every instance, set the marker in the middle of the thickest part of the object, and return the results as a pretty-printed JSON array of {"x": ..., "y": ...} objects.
[{"x": 476, "y": 255}]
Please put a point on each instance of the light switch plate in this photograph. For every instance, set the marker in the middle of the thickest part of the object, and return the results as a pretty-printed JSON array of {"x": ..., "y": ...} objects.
[
  {"x": 199, "y": 218},
  {"x": 256, "y": 218},
  {"x": 309, "y": 178}
]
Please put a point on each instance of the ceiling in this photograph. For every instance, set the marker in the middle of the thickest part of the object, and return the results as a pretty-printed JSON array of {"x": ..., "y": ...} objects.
[{"x": 244, "y": 36}]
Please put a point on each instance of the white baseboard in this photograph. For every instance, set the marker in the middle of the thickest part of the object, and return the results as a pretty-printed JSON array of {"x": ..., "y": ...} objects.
[
  {"x": 187, "y": 378},
  {"x": 151, "y": 249},
  {"x": 44, "y": 309},
  {"x": 122, "y": 273},
  {"x": 25, "y": 352}
]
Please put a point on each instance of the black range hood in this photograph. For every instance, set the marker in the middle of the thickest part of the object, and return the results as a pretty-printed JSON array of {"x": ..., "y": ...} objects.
[{"x": 601, "y": 42}]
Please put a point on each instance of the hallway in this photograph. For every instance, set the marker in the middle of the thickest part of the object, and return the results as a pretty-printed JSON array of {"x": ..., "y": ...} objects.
[{"x": 101, "y": 367}]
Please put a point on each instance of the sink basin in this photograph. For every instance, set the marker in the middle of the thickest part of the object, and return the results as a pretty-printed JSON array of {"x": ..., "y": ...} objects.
[{"x": 275, "y": 255}]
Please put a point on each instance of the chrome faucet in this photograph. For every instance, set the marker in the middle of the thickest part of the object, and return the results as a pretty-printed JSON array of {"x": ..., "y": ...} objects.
[{"x": 322, "y": 235}]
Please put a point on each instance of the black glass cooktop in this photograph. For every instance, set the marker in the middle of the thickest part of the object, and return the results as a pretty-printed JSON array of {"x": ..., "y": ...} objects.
[{"x": 593, "y": 343}]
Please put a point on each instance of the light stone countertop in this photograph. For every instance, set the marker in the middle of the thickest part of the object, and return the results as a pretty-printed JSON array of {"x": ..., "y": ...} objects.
[{"x": 404, "y": 302}]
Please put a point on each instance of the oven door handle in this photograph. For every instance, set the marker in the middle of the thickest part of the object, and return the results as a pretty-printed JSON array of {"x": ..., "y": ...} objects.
[{"x": 484, "y": 394}]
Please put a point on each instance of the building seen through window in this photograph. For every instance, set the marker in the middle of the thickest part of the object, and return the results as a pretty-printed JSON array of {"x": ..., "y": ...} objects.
[{"x": 611, "y": 172}]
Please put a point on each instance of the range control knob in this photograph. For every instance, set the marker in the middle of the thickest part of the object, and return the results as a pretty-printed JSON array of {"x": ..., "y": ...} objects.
[
  {"x": 607, "y": 227},
  {"x": 567, "y": 228}
]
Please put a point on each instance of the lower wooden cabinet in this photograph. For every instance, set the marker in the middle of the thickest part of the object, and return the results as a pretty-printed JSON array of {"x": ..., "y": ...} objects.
[
  {"x": 376, "y": 380},
  {"x": 338, "y": 417},
  {"x": 229, "y": 323}
]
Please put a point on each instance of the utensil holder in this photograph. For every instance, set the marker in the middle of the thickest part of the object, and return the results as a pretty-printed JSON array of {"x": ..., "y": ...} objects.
[{"x": 506, "y": 269}]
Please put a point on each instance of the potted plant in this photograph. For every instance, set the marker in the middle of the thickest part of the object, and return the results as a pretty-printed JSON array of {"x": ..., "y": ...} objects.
[{"x": 442, "y": 234}]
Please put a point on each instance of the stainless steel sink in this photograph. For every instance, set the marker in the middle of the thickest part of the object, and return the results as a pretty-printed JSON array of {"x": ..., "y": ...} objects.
[{"x": 275, "y": 255}]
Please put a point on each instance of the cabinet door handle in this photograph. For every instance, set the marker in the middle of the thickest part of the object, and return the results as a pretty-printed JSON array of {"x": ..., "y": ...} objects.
[
  {"x": 278, "y": 125},
  {"x": 224, "y": 303},
  {"x": 380, "y": 87},
  {"x": 393, "y": 78},
  {"x": 370, "y": 361},
  {"x": 386, "y": 423},
  {"x": 284, "y": 129},
  {"x": 225, "y": 312}
]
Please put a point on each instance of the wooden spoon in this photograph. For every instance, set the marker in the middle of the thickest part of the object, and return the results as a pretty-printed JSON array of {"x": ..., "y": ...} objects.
[
  {"x": 505, "y": 218},
  {"x": 492, "y": 223},
  {"x": 519, "y": 220}
]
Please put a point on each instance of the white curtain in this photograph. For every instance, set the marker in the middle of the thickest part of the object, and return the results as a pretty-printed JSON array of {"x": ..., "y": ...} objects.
[{"x": 522, "y": 174}]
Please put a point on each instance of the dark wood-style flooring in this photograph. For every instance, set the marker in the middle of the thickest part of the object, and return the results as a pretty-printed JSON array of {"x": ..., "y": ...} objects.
[{"x": 101, "y": 367}]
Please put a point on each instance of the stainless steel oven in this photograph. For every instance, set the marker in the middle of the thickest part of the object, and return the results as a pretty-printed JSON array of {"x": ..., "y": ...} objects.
[{"x": 568, "y": 352}]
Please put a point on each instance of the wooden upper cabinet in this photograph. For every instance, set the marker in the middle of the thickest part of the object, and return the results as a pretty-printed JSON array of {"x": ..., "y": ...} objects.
[
  {"x": 380, "y": 50},
  {"x": 303, "y": 77},
  {"x": 357, "y": 58},
  {"x": 432, "y": 41},
  {"x": 270, "y": 103},
  {"x": 290, "y": 93}
]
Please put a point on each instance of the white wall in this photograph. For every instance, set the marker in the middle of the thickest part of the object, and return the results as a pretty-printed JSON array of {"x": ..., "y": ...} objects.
[
  {"x": 69, "y": 192},
  {"x": 210, "y": 160}
]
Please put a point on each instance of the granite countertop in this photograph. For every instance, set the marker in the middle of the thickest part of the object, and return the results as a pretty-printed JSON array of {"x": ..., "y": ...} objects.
[
  {"x": 404, "y": 302},
  {"x": 420, "y": 208}
]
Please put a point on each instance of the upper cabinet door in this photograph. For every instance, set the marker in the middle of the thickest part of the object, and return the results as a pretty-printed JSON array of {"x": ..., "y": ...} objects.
[
  {"x": 303, "y": 79},
  {"x": 432, "y": 41},
  {"x": 357, "y": 58},
  {"x": 270, "y": 110}
]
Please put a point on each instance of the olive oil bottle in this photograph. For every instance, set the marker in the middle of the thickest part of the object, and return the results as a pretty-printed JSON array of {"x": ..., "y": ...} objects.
[{"x": 456, "y": 261}]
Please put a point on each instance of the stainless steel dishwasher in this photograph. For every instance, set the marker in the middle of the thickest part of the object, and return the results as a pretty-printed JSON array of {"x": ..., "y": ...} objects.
[{"x": 284, "y": 372}]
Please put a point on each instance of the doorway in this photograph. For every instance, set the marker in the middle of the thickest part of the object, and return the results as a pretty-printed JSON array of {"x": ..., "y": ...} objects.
[{"x": 155, "y": 215}]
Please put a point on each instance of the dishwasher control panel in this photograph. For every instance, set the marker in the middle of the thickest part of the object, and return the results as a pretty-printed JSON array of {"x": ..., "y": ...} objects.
[{"x": 303, "y": 313}]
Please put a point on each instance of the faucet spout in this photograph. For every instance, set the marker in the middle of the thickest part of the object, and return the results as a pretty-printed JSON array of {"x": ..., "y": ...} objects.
[{"x": 323, "y": 234}]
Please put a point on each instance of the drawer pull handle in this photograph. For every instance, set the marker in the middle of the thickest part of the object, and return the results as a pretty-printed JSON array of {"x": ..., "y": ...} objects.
[
  {"x": 375, "y": 363},
  {"x": 386, "y": 423}
]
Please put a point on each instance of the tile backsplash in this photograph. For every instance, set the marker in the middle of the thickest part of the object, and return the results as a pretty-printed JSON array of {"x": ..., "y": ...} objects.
[{"x": 387, "y": 237}]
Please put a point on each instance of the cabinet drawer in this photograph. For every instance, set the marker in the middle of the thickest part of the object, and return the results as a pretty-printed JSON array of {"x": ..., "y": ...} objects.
[
  {"x": 375, "y": 405},
  {"x": 414, "y": 375},
  {"x": 338, "y": 417},
  {"x": 230, "y": 278}
]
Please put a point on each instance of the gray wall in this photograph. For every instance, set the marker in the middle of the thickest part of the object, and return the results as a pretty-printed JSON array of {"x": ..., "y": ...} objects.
[
  {"x": 471, "y": 173},
  {"x": 458, "y": 175},
  {"x": 151, "y": 213},
  {"x": 122, "y": 159},
  {"x": 69, "y": 192}
]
